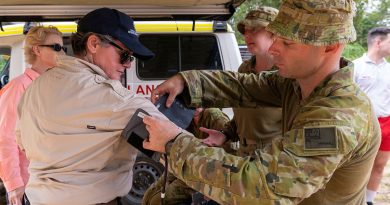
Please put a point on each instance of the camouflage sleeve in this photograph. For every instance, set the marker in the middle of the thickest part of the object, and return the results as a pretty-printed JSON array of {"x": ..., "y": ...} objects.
[
  {"x": 211, "y": 118},
  {"x": 286, "y": 172},
  {"x": 248, "y": 66},
  {"x": 229, "y": 89},
  {"x": 214, "y": 118}
]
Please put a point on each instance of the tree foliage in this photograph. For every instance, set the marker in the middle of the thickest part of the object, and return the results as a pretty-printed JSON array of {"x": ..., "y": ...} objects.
[{"x": 369, "y": 14}]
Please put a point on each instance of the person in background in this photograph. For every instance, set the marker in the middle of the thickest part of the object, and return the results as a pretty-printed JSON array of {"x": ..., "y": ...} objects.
[
  {"x": 42, "y": 47},
  {"x": 254, "y": 128},
  {"x": 372, "y": 74}
]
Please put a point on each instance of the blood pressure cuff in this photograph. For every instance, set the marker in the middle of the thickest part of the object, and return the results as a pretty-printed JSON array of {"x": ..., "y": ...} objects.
[{"x": 135, "y": 131}]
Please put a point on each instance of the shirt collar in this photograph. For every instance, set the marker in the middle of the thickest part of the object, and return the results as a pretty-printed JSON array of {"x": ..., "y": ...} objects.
[
  {"x": 74, "y": 63},
  {"x": 341, "y": 78},
  {"x": 368, "y": 60},
  {"x": 32, "y": 74}
]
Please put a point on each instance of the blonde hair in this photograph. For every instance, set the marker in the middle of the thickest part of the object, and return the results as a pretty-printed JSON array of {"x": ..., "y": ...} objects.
[{"x": 37, "y": 36}]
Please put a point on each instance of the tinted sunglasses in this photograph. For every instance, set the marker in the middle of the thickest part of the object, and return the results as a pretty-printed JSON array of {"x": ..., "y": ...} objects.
[
  {"x": 56, "y": 47},
  {"x": 124, "y": 54}
]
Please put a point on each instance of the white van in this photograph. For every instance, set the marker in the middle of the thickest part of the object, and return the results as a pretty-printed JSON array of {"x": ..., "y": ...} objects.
[
  {"x": 182, "y": 34},
  {"x": 178, "y": 47}
]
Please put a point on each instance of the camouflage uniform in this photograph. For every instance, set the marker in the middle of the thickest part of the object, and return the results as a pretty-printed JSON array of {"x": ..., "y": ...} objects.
[
  {"x": 212, "y": 118},
  {"x": 264, "y": 122},
  {"x": 176, "y": 190},
  {"x": 254, "y": 127},
  {"x": 326, "y": 153},
  {"x": 329, "y": 139}
]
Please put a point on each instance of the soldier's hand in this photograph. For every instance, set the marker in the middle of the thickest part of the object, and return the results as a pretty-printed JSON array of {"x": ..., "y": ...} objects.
[
  {"x": 215, "y": 139},
  {"x": 173, "y": 86},
  {"x": 160, "y": 133},
  {"x": 15, "y": 196}
]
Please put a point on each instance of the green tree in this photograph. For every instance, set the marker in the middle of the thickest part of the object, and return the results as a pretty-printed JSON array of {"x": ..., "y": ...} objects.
[{"x": 369, "y": 14}]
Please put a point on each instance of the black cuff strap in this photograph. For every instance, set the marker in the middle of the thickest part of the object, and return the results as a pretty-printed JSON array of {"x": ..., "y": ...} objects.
[{"x": 170, "y": 143}]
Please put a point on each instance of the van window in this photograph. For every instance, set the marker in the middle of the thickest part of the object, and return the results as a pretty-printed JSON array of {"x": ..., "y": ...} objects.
[
  {"x": 178, "y": 52},
  {"x": 5, "y": 56}
]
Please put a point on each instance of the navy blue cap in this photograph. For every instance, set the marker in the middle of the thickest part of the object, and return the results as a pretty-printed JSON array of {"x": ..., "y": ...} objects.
[{"x": 114, "y": 23}]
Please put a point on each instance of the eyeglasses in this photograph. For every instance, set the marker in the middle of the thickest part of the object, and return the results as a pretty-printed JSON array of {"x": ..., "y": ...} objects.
[
  {"x": 125, "y": 55},
  {"x": 56, "y": 47}
]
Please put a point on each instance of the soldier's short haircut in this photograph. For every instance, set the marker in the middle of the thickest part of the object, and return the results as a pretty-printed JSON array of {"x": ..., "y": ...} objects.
[{"x": 381, "y": 32}]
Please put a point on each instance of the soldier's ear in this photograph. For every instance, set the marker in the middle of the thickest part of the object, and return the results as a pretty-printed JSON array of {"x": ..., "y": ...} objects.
[{"x": 333, "y": 48}]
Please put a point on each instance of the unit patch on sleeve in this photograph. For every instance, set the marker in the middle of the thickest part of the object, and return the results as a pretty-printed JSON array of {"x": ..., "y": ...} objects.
[{"x": 320, "y": 138}]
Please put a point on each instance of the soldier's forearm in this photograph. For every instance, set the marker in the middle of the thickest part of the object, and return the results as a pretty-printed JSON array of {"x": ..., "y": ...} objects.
[
  {"x": 223, "y": 177},
  {"x": 228, "y": 89}
]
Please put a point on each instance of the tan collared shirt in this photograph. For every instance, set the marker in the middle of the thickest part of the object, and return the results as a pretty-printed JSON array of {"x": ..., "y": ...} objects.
[{"x": 70, "y": 123}]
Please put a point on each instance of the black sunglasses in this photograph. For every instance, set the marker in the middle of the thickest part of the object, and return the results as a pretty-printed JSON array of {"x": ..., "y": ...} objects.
[
  {"x": 56, "y": 47},
  {"x": 124, "y": 54}
]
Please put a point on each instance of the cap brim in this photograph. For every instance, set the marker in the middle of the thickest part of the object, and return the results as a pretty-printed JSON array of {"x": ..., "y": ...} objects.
[
  {"x": 132, "y": 43},
  {"x": 252, "y": 24}
]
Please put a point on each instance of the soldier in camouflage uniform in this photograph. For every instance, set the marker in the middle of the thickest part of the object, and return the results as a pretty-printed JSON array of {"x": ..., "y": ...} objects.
[
  {"x": 254, "y": 127},
  {"x": 329, "y": 133},
  {"x": 177, "y": 192}
]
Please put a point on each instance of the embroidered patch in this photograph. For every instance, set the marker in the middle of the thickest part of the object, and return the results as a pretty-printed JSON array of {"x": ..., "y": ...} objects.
[{"x": 320, "y": 138}]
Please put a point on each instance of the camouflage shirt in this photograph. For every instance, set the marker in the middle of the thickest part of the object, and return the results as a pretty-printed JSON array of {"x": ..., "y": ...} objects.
[
  {"x": 177, "y": 192},
  {"x": 212, "y": 118},
  {"x": 254, "y": 127},
  {"x": 325, "y": 156}
]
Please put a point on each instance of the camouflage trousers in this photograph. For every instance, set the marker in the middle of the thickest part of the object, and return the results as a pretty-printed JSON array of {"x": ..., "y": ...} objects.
[{"x": 177, "y": 192}]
